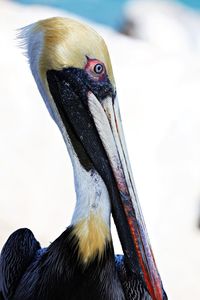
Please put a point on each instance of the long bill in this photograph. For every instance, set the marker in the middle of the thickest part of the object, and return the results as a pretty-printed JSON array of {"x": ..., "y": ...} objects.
[
  {"x": 94, "y": 128},
  {"x": 134, "y": 238}
]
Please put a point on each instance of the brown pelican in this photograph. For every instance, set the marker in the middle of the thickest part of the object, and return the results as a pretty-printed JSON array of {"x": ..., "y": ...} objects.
[{"x": 72, "y": 69}]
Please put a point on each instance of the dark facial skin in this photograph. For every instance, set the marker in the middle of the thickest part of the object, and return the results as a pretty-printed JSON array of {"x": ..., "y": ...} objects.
[{"x": 79, "y": 83}]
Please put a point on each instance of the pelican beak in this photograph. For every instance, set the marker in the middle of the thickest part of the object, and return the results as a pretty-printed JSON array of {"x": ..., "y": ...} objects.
[{"x": 91, "y": 116}]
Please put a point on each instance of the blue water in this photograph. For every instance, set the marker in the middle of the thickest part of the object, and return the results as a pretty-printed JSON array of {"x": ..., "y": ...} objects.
[
  {"x": 108, "y": 12},
  {"x": 192, "y": 3}
]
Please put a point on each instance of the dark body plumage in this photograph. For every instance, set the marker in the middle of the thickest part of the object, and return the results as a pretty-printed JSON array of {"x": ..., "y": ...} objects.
[{"x": 56, "y": 273}]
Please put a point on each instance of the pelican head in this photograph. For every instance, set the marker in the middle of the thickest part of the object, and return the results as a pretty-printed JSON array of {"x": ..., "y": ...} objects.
[{"x": 72, "y": 69}]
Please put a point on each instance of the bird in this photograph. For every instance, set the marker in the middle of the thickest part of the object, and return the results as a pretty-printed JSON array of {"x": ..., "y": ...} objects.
[{"x": 72, "y": 69}]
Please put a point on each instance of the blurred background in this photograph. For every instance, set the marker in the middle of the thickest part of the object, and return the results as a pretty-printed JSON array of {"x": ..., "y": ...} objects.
[{"x": 155, "y": 52}]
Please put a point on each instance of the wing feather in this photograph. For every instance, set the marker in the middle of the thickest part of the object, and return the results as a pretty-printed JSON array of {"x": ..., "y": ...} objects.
[{"x": 16, "y": 255}]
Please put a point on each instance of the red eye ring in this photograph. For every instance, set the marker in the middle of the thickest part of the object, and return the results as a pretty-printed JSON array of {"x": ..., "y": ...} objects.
[{"x": 95, "y": 68}]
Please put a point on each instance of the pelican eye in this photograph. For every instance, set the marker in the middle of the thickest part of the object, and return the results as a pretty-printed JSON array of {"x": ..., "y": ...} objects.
[
  {"x": 95, "y": 68},
  {"x": 98, "y": 68}
]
